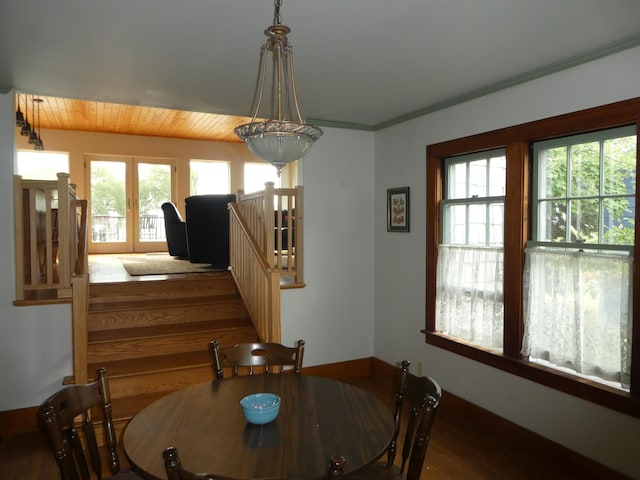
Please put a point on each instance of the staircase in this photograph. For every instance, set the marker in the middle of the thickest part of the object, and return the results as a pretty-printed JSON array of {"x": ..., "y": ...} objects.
[{"x": 152, "y": 336}]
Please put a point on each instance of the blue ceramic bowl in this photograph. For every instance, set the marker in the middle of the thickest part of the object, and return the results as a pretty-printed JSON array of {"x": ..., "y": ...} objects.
[{"x": 260, "y": 408}]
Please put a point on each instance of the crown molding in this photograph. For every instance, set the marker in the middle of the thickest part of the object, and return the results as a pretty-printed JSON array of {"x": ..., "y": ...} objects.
[{"x": 616, "y": 47}]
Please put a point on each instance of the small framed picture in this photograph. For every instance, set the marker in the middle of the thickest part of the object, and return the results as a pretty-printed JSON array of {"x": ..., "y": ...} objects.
[{"x": 398, "y": 209}]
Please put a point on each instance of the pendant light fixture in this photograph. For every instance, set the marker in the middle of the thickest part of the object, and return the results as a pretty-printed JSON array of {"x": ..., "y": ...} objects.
[
  {"x": 26, "y": 127},
  {"x": 38, "y": 144},
  {"x": 284, "y": 137},
  {"x": 33, "y": 136},
  {"x": 19, "y": 115}
]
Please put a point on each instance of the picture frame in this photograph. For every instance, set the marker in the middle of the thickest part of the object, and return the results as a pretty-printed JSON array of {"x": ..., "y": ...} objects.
[{"x": 398, "y": 209}]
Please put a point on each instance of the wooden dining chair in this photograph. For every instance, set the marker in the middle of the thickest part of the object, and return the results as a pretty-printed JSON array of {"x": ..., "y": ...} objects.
[
  {"x": 175, "y": 471},
  {"x": 173, "y": 466},
  {"x": 60, "y": 418},
  {"x": 336, "y": 466},
  {"x": 256, "y": 358},
  {"x": 418, "y": 398}
]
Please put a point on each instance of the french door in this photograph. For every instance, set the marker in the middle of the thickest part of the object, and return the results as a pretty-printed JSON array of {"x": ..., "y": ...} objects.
[{"x": 125, "y": 196}]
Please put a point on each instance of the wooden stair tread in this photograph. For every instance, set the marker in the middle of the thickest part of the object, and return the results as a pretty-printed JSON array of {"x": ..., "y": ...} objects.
[
  {"x": 142, "y": 302},
  {"x": 166, "y": 330},
  {"x": 118, "y": 368},
  {"x": 214, "y": 284}
]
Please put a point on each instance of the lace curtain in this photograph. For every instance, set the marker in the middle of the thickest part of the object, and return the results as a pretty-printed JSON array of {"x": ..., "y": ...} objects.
[
  {"x": 576, "y": 312},
  {"x": 469, "y": 301}
]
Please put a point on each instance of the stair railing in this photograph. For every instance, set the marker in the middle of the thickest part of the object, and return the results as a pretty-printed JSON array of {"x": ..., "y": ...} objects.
[
  {"x": 266, "y": 251},
  {"x": 257, "y": 282},
  {"x": 279, "y": 211},
  {"x": 51, "y": 253},
  {"x": 50, "y": 237}
]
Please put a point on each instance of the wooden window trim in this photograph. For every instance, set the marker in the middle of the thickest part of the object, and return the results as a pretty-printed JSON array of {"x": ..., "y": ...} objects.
[{"x": 517, "y": 141}]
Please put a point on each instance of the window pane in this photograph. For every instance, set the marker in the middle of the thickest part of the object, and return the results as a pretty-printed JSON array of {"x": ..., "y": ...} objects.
[
  {"x": 108, "y": 201},
  {"x": 42, "y": 165},
  {"x": 458, "y": 181},
  {"x": 457, "y": 221},
  {"x": 477, "y": 225},
  {"x": 497, "y": 176},
  {"x": 478, "y": 178},
  {"x": 552, "y": 221},
  {"x": 585, "y": 169},
  {"x": 592, "y": 181},
  {"x": 496, "y": 229},
  {"x": 619, "y": 218},
  {"x": 257, "y": 174},
  {"x": 154, "y": 188},
  {"x": 208, "y": 177},
  {"x": 585, "y": 221},
  {"x": 620, "y": 166},
  {"x": 553, "y": 173}
]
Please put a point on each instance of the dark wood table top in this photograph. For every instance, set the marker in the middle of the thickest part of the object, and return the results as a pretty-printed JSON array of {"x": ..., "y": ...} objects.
[{"x": 318, "y": 417}]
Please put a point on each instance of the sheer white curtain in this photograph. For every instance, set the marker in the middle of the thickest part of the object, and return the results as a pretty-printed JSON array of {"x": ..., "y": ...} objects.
[
  {"x": 469, "y": 299},
  {"x": 576, "y": 312}
]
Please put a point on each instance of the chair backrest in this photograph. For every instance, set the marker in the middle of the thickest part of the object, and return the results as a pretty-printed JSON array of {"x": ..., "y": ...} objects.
[
  {"x": 171, "y": 213},
  {"x": 173, "y": 466},
  {"x": 175, "y": 231},
  {"x": 256, "y": 357},
  {"x": 421, "y": 397},
  {"x": 58, "y": 417}
]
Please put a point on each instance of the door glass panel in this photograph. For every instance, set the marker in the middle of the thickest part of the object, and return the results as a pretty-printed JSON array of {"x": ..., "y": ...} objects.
[
  {"x": 154, "y": 188},
  {"x": 108, "y": 201}
]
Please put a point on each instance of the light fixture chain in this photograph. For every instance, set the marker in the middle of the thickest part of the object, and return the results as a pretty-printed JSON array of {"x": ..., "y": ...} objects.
[{"x": 277, "y": 17}]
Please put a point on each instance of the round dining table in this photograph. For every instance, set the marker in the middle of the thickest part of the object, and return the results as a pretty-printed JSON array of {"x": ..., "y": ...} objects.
[{"x": 318, "y": 418}]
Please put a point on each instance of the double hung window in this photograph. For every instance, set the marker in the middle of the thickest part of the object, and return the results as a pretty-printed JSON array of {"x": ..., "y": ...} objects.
[
  {"x": 578, "y": 265},
  {"x": 469, "y": 296},
  {"x": 531, "y": 240}
]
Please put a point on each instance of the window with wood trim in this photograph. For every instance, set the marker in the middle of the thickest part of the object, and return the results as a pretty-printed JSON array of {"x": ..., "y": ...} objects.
[{"x": 550, "y": 242}]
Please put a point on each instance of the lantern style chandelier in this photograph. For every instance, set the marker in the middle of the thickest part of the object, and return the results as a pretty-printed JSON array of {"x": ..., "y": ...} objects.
[
  {"x": 26, "y": 128},
  {"x": 284, "y": 137}
]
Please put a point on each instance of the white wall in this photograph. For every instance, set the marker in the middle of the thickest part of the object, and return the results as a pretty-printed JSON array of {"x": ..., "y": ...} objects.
[
  {"x": 334, "y": 312},
  {"x": 596, "y": 432},
  {"x": 35, "y": 342}
]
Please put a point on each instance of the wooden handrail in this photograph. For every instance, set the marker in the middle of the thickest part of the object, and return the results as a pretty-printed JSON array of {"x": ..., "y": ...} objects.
[
  {"x": 50, "y": 238},
  {"x": 258, "y": 283},
  {"x": 275, "y": 232},
  {"x": 266, "y": 243}
]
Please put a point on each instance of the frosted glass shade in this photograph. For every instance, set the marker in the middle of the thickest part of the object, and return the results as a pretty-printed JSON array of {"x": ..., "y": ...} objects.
[{"x": 279, "y": 143}]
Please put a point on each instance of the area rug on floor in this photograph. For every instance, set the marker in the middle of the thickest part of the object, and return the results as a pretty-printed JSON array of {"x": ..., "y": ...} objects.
[{"x": 162, "y": 264}]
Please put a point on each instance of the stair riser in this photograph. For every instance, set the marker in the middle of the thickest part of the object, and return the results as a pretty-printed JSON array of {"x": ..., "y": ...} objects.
[
  {"x": 99, "y": 321},
  {"x": 207, "y": 286},
  {"x": 165, "y": 345},
  {"x": 168, "y": 381}
]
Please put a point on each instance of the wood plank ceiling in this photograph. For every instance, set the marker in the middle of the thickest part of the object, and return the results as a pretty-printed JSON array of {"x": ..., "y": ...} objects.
[{"x": 69, "y": 114}]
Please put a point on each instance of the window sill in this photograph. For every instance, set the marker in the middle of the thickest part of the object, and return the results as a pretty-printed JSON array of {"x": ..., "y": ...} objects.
[{"x": 585, "y": 389}]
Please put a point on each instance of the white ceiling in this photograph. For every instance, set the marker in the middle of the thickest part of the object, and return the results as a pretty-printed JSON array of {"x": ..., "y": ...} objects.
[{"x": 363, "y": 62}]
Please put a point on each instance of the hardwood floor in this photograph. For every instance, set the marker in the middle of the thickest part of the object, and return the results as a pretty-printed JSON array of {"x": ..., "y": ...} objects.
[
  {"x": 456, "y": 451},
  {"x": 107, "y": 268}
]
